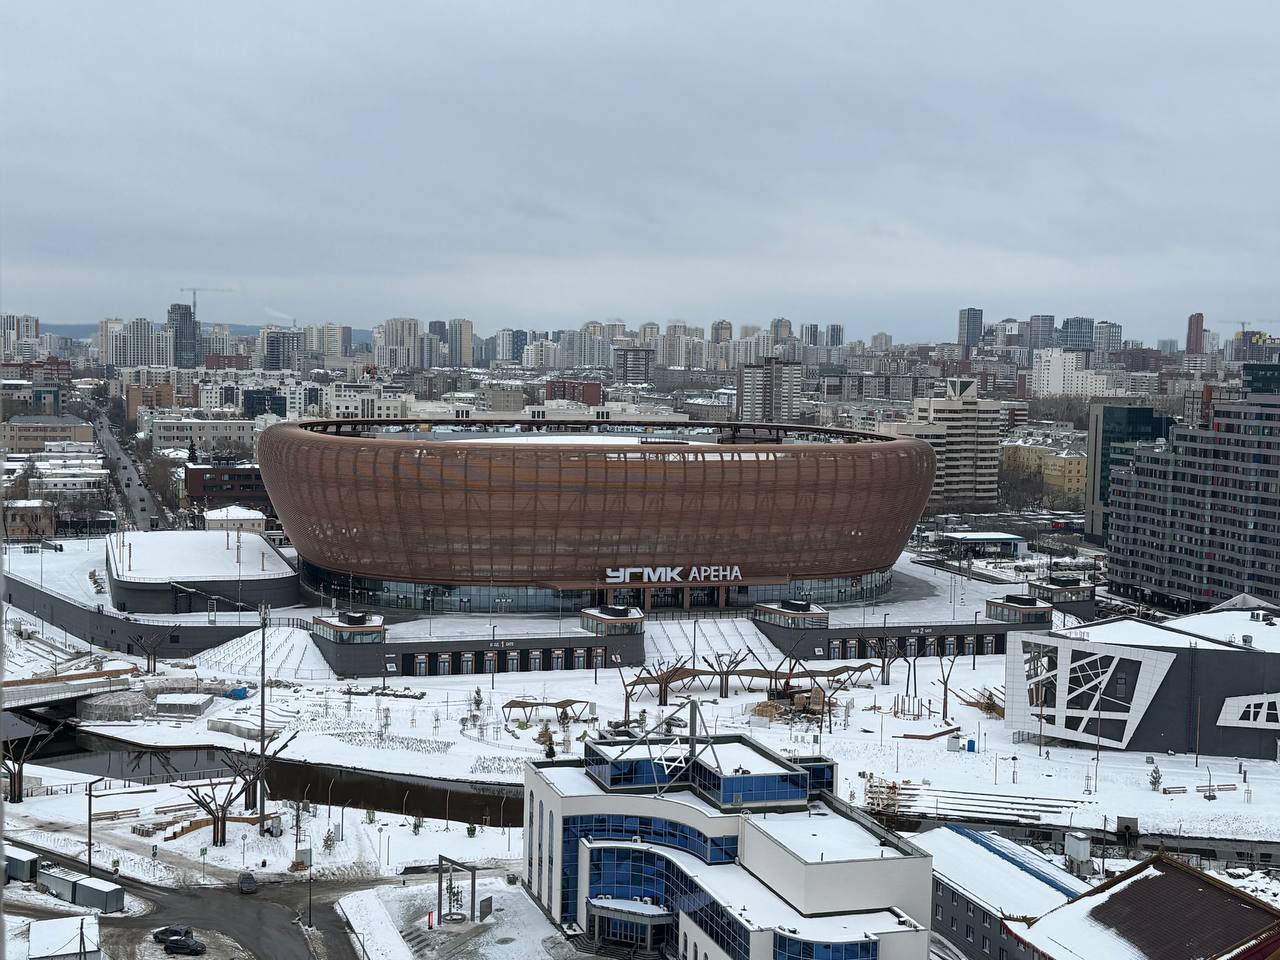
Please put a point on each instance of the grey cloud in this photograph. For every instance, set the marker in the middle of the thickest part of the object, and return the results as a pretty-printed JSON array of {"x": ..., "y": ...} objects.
[{"x": 547, "y": 164}]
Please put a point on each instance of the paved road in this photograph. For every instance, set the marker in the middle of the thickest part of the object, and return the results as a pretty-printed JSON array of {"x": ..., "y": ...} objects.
[
  {"x": 141, "y": 504},
  {"x": 262, "y": 923}
]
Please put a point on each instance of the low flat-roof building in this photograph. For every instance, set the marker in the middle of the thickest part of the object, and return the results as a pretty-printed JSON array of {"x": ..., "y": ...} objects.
[
  {"x": 26, "y": 434},
  {"x": 183, "y": 571},
  {"x": 980, "y": 878},
  {"x": 1208, "y": 682},
  {"x": 717, "y": 847},
  {"x": 235, "y": 518}
]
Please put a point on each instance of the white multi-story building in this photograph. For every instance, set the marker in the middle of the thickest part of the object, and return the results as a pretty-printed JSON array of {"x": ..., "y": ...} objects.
[
  {"x": 541, "y": 355},
  {"x": 716, "y": 847},
  {"x": 1060, "y": 372},
  {"x": 139, "y": 343},
  {"x": 965, "y": 433},
  {"x": 396, "y": 344},
  {"x": 182, "y": 432}
]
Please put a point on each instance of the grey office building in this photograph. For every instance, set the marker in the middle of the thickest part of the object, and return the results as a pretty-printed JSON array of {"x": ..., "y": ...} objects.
[
  {"x": 1077, "y": 333},
  {"x": 184, "y": 326},
  {"x": 970, "y": 334},
  {"x": 1115, "y": 421},
  {"x": 1042, "y": 331},
  {"x": 1196, "y": 521}
]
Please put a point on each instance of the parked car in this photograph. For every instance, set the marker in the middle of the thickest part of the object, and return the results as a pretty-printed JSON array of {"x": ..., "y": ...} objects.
[
  {"x": 171, "y": 933},
  {"x": 187, "y": 946},
  {"x": 247, "y": 882}
]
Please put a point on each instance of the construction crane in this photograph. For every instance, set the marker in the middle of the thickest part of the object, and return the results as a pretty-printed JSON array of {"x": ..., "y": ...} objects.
[
  {"x": 194, "y": 290},
  {"x": 1246, "y": 325}
]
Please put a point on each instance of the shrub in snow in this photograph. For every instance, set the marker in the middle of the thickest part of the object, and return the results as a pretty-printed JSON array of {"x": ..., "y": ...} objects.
[{"x": 1155, "y": 778}]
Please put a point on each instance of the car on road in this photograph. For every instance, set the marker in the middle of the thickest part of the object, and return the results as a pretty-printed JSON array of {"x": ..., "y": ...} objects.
[
  {"x": 187, "y": 946},
  {"x": 247, "y": 882},
  {"x": 171, "y": 933}
]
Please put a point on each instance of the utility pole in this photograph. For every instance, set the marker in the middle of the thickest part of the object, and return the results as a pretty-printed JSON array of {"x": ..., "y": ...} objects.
[{"x": 264, "y": 612}]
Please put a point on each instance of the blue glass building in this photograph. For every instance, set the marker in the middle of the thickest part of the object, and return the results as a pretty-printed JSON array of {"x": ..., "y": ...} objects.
[{"x": 717, "y": 848}]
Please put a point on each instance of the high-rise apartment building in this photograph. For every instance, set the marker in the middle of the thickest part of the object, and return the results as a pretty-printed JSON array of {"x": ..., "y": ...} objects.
[
  {"x": 970, "y": 334},
  {"x": 540, "y": 355},
  {"x": 461, "y": 345},
  {"x": 721, "y": 331},
  {"x": 278, "y": 348},
  {"x": 809, "y": 336},
  {"x": 1167, "y": 347},
  {"x": 1195, "y": 521},
  {"x": 185, "y": 329},
  {"x": 779, "y": 328},
  {"x": 965, "y": 432},
  {"x": 439, "y": 328},
  {"x": 769, "y": 391},
  {"x": 633, "y": 364},
  {"x": 396, "y": 345},
  {"x": 335, "y": 340},
  {"x": 139, "y": 344},
  {"x": 881, "y": 342},
  {"x": 835, "y": 335},
  {"x": 1077, "y": 333},
  {"x": 1195, "y": 333},
  {"x": 1107, "y": 337},
  {"x": 1041, "y": 332},
  {"x": 1113, "y": 422},
  {"x": 649, "y": 332}
]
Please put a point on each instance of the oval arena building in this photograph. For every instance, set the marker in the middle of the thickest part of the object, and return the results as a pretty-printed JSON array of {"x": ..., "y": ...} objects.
[{"x": 431, "y": 516}]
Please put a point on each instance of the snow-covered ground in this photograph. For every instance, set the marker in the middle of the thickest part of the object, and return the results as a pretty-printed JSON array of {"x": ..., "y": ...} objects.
[
  {"x": 382, "y": 918},
  {"x": 371, "y": 845}
]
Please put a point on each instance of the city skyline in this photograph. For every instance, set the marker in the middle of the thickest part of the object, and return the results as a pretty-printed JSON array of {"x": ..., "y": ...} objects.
[{"x": 544, "y": 168}]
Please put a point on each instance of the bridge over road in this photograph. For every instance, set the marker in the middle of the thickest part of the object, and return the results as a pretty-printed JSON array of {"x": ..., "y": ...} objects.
[{"x": 50, "y": 691}]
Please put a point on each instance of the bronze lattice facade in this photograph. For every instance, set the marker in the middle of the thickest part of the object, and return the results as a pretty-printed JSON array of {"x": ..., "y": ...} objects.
[{"x": 559, "y": 516}]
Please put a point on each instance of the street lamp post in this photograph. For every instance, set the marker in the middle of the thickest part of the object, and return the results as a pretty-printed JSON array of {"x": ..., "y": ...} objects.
[{"x": 89, "y": 822}]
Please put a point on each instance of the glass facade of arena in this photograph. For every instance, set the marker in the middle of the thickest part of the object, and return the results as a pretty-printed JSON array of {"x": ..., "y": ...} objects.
[{"x": 364, "y": 592}]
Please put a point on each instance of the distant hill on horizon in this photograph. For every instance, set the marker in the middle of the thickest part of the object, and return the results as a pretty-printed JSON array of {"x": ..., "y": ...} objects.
[{"x": 83, "y": 331}]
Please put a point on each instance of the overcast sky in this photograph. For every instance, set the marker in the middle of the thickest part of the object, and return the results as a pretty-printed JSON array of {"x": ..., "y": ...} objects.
[{"x": 544, "y": 164}]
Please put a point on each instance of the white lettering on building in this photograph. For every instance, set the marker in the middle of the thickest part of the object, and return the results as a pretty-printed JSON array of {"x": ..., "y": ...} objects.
[{"x": 705, "y": 573}]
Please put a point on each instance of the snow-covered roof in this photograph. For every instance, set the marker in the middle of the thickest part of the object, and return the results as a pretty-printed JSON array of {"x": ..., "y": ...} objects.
[
  {"x": 1232, "y": 626},
  {"x": 1132, "y": 632},
  {"x": 759, "y": 908},
  {"x": 234, "y": 513},
  {"x": 1005, "y": 877},
  {"x": 168, "y": 555},
  {"x": 61, "y": 938},
  {"x": 578, "y": 439},
  {"x": 27, "y": 503},
  {"x": 988, "y": 537},
  {"x": 1159, "y": 908}
]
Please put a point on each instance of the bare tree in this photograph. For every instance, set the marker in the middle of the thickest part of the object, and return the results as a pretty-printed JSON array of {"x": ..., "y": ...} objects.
[
  {"x": 944, "y": 670},
  {"x": 14, "y": 758},
  {"x": 216, "y": 797}
]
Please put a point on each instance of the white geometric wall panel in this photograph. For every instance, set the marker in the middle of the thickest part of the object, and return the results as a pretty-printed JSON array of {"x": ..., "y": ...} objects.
[
  {"x": 1257, "y": 711},
  {"x": 1071, "y": 688}
]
